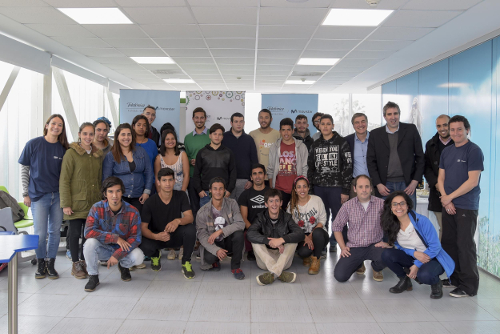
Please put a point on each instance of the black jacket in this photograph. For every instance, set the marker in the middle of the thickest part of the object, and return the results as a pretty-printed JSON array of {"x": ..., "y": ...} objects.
[
  {"x": 350, "y": 140},
  {"x": 307, "y": 140},
  {"x": 410, "y": 154},
  {"x": 432, "y": 157},
  {"x": 154, "y": 135},
  {"x": 262, "y": 228},
  {"x": 211, "y": 163}
]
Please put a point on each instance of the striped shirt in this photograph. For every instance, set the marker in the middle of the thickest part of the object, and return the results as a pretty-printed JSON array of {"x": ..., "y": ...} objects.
[{"x": 364, "y": 225}]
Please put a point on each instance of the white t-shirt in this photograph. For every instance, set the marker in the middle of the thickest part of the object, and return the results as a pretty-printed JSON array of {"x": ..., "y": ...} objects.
[
  {"x": 409, "y": 239},
  {"x": 310, "y": 214},
  {"x": 365, "y": 205}
]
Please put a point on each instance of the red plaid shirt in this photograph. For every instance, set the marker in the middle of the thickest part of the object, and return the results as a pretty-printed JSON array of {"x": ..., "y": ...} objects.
[{"x": 364, "y": 226}]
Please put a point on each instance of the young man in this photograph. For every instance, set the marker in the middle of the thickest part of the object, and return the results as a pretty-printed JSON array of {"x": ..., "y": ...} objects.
[
  {"x": 460, "y": 170},
  {"x": 330, "y": 170},
  {"x": 433, "y": 150},
  {"x": 364, "y": 235},
  {"x": 358, "y": 142},
  {"x": 265, "y": 136},
  {"x": 316, "y": 119},
  {"x": 274, "y": 236},
  {"x": 220, "y": 230},
  {"x": 395, "y": 157},
  {"x": 301, "y": 131},
  {"x": 214, "y": 160},
  {"x": 154, "y": 135},
  {"x": 251, "y": 202},
  {"x": 244, "y": 151},
  {"x": 287, "y": 160},
  {"x": 113, "y": 233},
  {"x": 167, "y": 222}
]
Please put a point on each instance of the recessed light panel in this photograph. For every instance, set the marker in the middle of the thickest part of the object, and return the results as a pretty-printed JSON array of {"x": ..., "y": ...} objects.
[
  {"x": 299, "y": 82},
  {"x": 153, "y": 60},
  {"x": 318, "y": 61},
  {"x": 356, "y": 17},
  {"x": 179, "y": 81},
  {"x": 96, "y": 15}
]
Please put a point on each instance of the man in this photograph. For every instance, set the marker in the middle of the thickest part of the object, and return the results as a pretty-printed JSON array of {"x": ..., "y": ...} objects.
[
  {"x": 358, "y": 142},
  {"x": 194, "y": 142},
  {"x": 301, "y": 131},
  {"x": 395, "y": 157},
  {"x": 316, "y": 119},
  {"x": 113, "y": 233},
  {"x": 364, "y": 235},
  {"x": 251, "y": 202},
  {"x": 433, "y": 150},
  {"x": 167, "y": 222},
  {"x": 220, "y": 230},
  {"x": 214, "y": 160},
  {"x": 274, "y": 236},
  {"x": 460, "y": 170},
  {"x": 154, "y": 135},
  {"x": 244, "y": 151},
  {"x": 330, "y": 171},
  {"x": 265, "y": 136}
]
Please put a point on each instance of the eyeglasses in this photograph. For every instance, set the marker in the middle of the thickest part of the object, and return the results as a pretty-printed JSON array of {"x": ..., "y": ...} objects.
[{"x": 402, "y": 204}]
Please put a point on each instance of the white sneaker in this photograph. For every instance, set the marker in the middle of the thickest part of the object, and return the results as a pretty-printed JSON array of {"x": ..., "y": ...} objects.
[{"x": 171, "y": 255}]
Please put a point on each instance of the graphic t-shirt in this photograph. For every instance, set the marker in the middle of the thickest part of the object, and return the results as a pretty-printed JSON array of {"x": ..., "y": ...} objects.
[
  {"x": 263, "y": 142},
  {"x": 158, "y": 214},
  {"x": 254, "y": 201},
  {"x": 287, "y": 168},
  {"x": 309, "y": 215},
  {"x": 219, "y": 222}
]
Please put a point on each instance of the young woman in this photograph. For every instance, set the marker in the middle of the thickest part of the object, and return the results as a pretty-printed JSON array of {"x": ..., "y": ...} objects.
[
  {"x": 418, "y": 253},
  {"x": 101, "y": 140},
  {"x": 308, "y": 211},
  {"x": 79, "y": 186},
  {"x": 41, "y": 168},
  {"x": 140, "y": 124}
]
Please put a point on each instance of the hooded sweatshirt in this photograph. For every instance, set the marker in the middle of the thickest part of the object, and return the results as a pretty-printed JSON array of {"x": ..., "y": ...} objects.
[
  {"x": 274, "y": 157},
  {"x": 211, "y": 163},
  {"x": 307, "y": 140}
]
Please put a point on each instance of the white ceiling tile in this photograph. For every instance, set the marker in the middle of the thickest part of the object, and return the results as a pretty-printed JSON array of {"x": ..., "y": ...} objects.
[
  {"x": 23, "y": 3},
  {"x": 235, "y": 61},
  {"x": 164, "y": 67},
  {"x": 142, "y": 52},
  {"x": 115, "y": 30},
  {"x": 203, "y": 76},
  {"x": 275, "y": 61},
  {"x": 187, "y": 43},
  {"x": 370, "y": 54},
  {"x": 53, "y": 30},
  {"x": 441, "y": 4},
  {"x": 72, "y": 41},
  {"x": 323, "y": 54},
  {"x": 36, "y": 15},
  {"x": 130, "y": 42},
  {"x": 80, "y": 3},
  {"x": 150, "y": 3},
  {"x": 200, "y": 68},
  {"x": 188, "y": 52},
  {"x": 186, "y": 60},
  {"x": 332, "y": 44},
  {"x": 237, "y": 72},
  {"x": 287, "y": 44},
  {"x": 225, "y": 15},
  {"x": 286, "y": 31},
  {"x": 239, "y": 53},
  {"x": 361, "y": 4},
  {"x": 159, "y": 15},
  {"x": 228, "y": 31},
  {"x": 274, "y": 68},
  {"x": 330, "y": 32},
  {"x": 224, "y": 3},
  {"x": 348, "y": 62},
  {"x": 171, "y": 30},
  {"x": 98, "y": 52},
  {"x": 383, "y": 45},
  {"x": 116, "y": 66},
  {"x": 399, "y": 33},
  {"x": 114, "y": 60},
  {"x": 281, "y": 3},
  {"x": 230, "y": 67},
  {"x": 284, "y": 54},
  {"x": 419, "y": 18},
  {"x": 231, "y": 43},
  {"x": 291, "y": 16},
  {"x": 309, "y": 68}
]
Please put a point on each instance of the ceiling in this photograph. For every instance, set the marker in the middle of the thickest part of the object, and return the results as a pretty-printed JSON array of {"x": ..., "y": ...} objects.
[{"x": 250, "y": 45}]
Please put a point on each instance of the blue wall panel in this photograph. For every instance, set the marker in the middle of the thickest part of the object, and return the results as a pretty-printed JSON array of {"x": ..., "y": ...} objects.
[{"x": 407, "y": 88}]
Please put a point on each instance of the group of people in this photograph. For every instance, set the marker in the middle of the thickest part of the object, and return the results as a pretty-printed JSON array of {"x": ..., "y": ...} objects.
[{"x": 269, "y": 194}]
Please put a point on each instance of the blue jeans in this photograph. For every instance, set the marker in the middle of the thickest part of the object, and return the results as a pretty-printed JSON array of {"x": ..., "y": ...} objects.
[
  {"x": 94, "y": 250},
  {"x": 332, "y": 201},
  {"x": 47, "y": 218},
  {"x": 204, "y": 200},
  {"x": 397, "y": 260},
  {"x": 394, "y": 186}
]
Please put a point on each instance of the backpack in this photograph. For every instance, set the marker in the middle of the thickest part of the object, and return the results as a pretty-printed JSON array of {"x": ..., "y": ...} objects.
[{"x": 8, "y": 201}]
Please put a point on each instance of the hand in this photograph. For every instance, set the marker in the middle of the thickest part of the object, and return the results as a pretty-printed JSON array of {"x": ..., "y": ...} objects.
[
  {"x": 411, "y": 187},
  {"x": 162, "y": 236},
  {"x": 383, "y": 190},
  {"x": 275, "y": 242},
  {"x": 221, "y": 254},
  {"x": 143, "y": 198},
  {"x": 112, "y": 261},
  {"x": 281, "y": 249},
  {"x": 344, "y": 198},
  {"x": 27, "y": 201},
  {"x": 345, "y": 252},
  {"x": 382, "y": 244},
  {"x": 413, "y": 272},
  {"x": 68, "y": 211},
  {"x": 192, "y": 162},
  {"x": 450, "y": 209},
  {"x": 215, "y": 235},
  {"x": 445, "y": 200},
  {"x": 202, "y": 194},
  {"x": 422, "y": 257},
  {"x": 227, "y": 194},
  {"x": 125, "y": 246},
  {"x": 248, "y": 185},
  {"x": 309, "y": 242},
  {"x": 172, "y": 226}
]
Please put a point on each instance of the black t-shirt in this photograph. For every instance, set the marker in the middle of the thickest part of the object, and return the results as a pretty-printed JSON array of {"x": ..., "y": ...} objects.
[
  {"x": 158, "y": 214},
  {"x": 254, "y": 201}
]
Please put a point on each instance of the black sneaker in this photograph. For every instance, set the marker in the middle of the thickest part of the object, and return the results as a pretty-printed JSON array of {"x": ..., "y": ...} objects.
[
  {"x": 447, "y": 284},
  {"x": 125, "y": 273},
  {"x": 187, "y": 270},
  {"x": 238, "y": 273},
  {"x": 404, "y": 284},
  {"x": 458, "y": 293},
  {"x": 51, "y": 271},
  {"x": 251, "y": 256},
  {"x": 92, "y": 283},
  {"x": 333, "y": 249},
  {"x": 41, "y": 272},
  {"x": 156, "y": 262}
]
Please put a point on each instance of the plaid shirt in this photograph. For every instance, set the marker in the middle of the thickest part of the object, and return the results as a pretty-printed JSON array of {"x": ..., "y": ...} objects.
[
  {"x": 364, "y": 226},
  {"x": 102, "y": 224}
]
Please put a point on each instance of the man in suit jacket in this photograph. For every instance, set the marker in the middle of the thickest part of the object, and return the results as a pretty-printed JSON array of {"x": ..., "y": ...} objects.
[
  {"x": 395, "y": 156},
  {"x": 358, "y": 142}
]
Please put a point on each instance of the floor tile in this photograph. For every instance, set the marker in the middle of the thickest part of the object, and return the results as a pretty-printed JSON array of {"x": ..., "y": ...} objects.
[
  {"x": 226, "y": 290},
  {"x": 280, "y": 311},
  {"x": 456, "y": 309},
  {"x": 104, "y": 307},
  {"x": 151, "y": 326},
  {"x": 327, "y": 288},
  {"x": 398, "y": 310},
  {"x": 49, "y": 305},
  {"x": 277, "y": 290},
  {"x": 162, "y": 309},
  {"x": 348, "y": 328},
  {"x": 172, "y": 290},
  {"x": 26, "y": 284},
  {"x": 31, "y": 324},
  {"x": 413, "y": 328},
  {"x": 4, "y": 300},
  {"x": 472, "y": 327},
  {"x": 114, "y": 286},
  {"x": 65, "y": 286},
  {"x": 370, "y": 289},
  {"x": 492, "y": 306},
  {"x": 175, "y": 274},
  {"x": 221, "y": 311},
  {"x": 283, "y": 328},
  {"x": 82, "y": 326},
  {"x": 346, "y": 310},
  {"x": 217, "y": 328}
]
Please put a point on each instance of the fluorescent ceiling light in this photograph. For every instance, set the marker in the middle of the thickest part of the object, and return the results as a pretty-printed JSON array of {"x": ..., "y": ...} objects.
[
  {"x": 96, "y": 15},
  {"x": 153, "y": 60},
  {"x": 299, "y": 82},
  {"x": 318, "y": 61},
  {"x": 179, "y": 81},
  {"x": 356, "y": 17}
]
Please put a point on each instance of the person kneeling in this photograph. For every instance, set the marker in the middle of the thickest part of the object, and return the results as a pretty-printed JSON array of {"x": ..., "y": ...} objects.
[
  {"x": 167, "y": 222},
  {"x": 418, "y": 253},
  {"x": 113, "y": 233},
  {"x": 274, "y": 237},
  {"x": 220, "y": 230}
]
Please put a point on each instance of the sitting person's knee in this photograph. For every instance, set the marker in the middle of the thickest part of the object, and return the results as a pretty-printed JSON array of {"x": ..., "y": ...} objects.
[{"x": 340, "y": 276}]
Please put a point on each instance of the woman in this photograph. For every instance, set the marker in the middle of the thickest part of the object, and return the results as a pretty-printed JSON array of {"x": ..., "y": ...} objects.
[
  {"x": 418, "y": 253},
  {"x": 308, "y": 211},
  {"x": 41, "y": 162},
  {"x": 140, "y": 124},
  {"x": 79, "y": 186},
  {"x": 101, "y": 140},
  {"x": 131, "y": 164}
]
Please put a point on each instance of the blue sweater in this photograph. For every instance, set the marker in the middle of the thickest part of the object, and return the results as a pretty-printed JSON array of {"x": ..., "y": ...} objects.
[{"x": 244, "y": 151}]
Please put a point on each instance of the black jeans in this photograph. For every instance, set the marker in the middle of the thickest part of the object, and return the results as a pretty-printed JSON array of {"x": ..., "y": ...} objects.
[
  {"x": 233, "y": 244},
  {"x": 134, "y": 202},
  {"x": 184, "y": 235},
  {"x": 286, "y": 199},
  {"x": 346, "y": 266},
  {"x": 75, "y": 232},
  {"x": 458, "y": 241},
  {"x": 320, "y": 240},
  {"x": 194, "y": 198},
  {"x": 397, "y": 260},
  {"x": 333, "y": 201}
]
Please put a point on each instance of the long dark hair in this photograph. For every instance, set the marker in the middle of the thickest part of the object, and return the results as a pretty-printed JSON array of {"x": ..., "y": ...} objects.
[
  {"x": 389, "y": 221},
  {"x": 63, "y": 139},
  {"x": 163, "y": 148},
  {"x": 144, "y": 118},
  {"x": 294, "y": 200},
  {"x": 116, "y": 150}
]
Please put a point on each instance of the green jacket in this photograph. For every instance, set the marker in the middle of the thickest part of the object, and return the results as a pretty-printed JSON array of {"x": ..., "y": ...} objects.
[{"x": 80, "y": 181}]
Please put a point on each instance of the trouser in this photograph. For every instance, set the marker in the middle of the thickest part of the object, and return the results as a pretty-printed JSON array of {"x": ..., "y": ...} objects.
[
  {"x": 397, "y": 260},
  {"x": 439, "y": 218},
  {"x": 248, "y": 244},
  {"x": 238, "y": 189},
  {"x": 75, "y": 232},
  {"x": 134, "y": 202},
  {"x": 47, "y": 219},
  {"x": 320, "y": 240},
  {"x": 346, "y": 266},
  {"x": 332, "y": 201},
  {"x": 194, "y": 199},
  {"x": 204, "y": 200},
  {"x": 272, "y": 259},
  {"x": 184, "y": 235},
  {"x": 458, "y": 242},
  {"x": 286, "y": 199},
  {"x": 233, "y": 244},
  {"x": 395, "y": 186}
]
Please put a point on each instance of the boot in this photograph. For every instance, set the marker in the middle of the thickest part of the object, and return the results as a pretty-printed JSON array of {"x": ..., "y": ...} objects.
[
  {"x": 437, "y": 290},
  {"x": 315, "y": 265},
  {"x": 42, "y": 269},
  {"x": 307, "y": 261},
  {"x": 404, "y": 284},
  {"x": 79, "y": 270},
  {"x": 51, "y": 271}
]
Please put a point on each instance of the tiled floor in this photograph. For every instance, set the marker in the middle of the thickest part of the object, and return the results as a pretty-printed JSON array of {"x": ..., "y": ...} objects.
[{"x": 214, "y": 302}]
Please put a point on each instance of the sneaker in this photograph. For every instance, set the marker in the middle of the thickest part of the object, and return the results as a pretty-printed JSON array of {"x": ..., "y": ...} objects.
[
  {"x": 103, "y": 263},
  {"x": 92, "y": 283},
  {"x": 361, "y": 270},
  {"x": 315, "y": 266},
  {"x": 306, "y": 261},
  {"x": 78, "y": 270},
  {"x": 251, "y": 256},
  {"x": 447, "y": 284},
  {"x": 125, "y": 273},
  {"x": 378, "y": 276},
  {"x": 265, "y": 279},
  {"x": 287, "y": 277},
  {"x": 458, "y": 293},
  {"x": 181, "y": 253},
  {"x": 147, "y": 258},
  {"x": 187, "y": 270},
  {"x": 238, "y": 274},
  {"x": 41, "y": 272},
  {"x": 333, "y": 249},
  {"x": 323, "y": 255},
  {"x": 68, "y": 255},
  {"x": 437, "y": 290},
  {"x": 156, "y": 262},
  {"x": 51, "y": 271},
  {"x": 139, "y": 266},
  {"x": 215, "y": 266},
  {"x": 171, "y": 254}
]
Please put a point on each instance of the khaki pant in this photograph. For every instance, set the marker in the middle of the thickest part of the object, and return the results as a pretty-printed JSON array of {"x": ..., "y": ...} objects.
[
  {"x": 272, "y": 260},
  {"x": 439, "y": 218}
]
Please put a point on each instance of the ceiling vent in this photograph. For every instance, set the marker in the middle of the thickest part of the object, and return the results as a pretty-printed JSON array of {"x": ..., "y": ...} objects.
[
  {"x": 166, "y": 72},
  {"x": 306, "y": 74}
]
